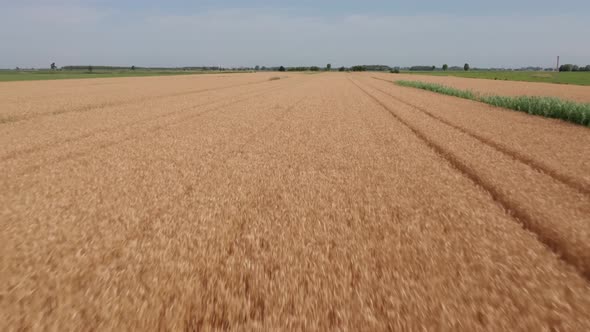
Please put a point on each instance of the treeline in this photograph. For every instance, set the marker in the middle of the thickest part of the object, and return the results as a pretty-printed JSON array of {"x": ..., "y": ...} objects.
[
  {"x": 570, "y": 67},
  {"x": 139, "y": 68},
  {"x": 312, "y": 68},
  {"x": 329, "y": 68},
  {"x": 95, "y": 67},
  {"x": 382, "y": 68},
  {"x": 422, "y": 68}
]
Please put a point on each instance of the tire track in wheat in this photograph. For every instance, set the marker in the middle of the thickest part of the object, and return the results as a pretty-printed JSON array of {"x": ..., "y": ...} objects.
[
  {"x": 558, "y": 237},
  {"x": 87, "y": 108},
  {"x": 43, "y": 147},
  {"x": 134, "y": 136},
  {"x": 533, "y": 163}
]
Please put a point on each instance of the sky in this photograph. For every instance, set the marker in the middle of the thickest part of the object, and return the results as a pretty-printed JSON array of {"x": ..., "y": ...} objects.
[{"x": 231, "y": 33}]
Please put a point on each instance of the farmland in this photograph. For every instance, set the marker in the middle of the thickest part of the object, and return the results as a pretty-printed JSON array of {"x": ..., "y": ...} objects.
[
  {"x": 36, "y": 75},
  {"x": 289, "y": 201},
  {"x": 574, "y": 78},
  {"x": 535, "y": 105},
  {"x": 503, "y": 88}
]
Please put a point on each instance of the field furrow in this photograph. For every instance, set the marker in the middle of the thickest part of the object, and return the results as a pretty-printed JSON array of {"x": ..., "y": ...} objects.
[
  {"x": 555, "y": 147},
  {"x": 22, "y": 100},
  {"x": 49, "y": 153},
  {"x": 563, "y": 224}
]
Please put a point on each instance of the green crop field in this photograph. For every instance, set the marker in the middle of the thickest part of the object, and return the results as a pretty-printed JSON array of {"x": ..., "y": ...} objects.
[
  {"x": 34, "y": 75},
  {"x": 576, "y": 78}
]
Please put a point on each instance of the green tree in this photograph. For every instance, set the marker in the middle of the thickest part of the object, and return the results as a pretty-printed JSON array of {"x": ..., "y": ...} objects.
[
  {"x": 53, "y": 66},
  {"x": 90, "y": 69},
  {"x": 566, "y": 67},
  {"x": 445, "y": 67},
  {"x": 466, "y": 67},
  {"x": 342, "y": 69},
  {"x": 281, "y": 68},
  {"x": 422, "y": 68},
  {"x": 329, "y": 67},
  {"x": 132, "y": 67},
  {"x": 257, "y": 68}
]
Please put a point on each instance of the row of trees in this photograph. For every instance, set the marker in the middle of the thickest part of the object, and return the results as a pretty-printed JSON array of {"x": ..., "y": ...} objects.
[
  {"x": 329, "y": 68},
  {"x": 312, "y": 68},
  {"x": 444, "y": 67},
  {"x": 111, "y": 68},
  {"x": 422, "y": 68},
  {"x": 466, "y": 67},
  {"x": 53, "y": 66},
  {"x": 301, "y": 68},
  {"x": 570, "y": 67}
]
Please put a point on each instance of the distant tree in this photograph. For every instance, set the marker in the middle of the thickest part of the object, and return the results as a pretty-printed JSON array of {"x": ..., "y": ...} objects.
[
  {"x": 422, "y": 68},
  {"x": 341, "y": 69},
  {"x": 433, "y": 67},
  {"x": 359, "y": 68},
  {"x": 587, "y": 68},
  {"x": 378, "y": 68},
  {"x": 329, "y": 67},
  {"x": 257, "y": 68},
  {"x": 17, "y": 68},
  {"x": 263, "y": 68},
  {"x": 53, "y": 66},
  {"x": 281, "y": 68},
  {"x": 575, "y": 68},
  {"x": 90, "y": 69},
  {"x": 445, "y": 67},
  {"x": 314, "y": 68},
  {"x": 466, "y": 67},
  {"x": 395, "y": 70},
  {"x": 132, "y": 67},
  {"x": 566, "y": 67}
]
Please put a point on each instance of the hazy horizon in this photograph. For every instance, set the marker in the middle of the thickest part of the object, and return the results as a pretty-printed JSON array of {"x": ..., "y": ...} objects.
[{"x": 293, "y": 33}]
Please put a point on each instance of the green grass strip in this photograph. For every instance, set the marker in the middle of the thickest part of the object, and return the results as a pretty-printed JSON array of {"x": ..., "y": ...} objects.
[
  {"x": 439, "y": 89},
  {"x": 544, "y": 106}
]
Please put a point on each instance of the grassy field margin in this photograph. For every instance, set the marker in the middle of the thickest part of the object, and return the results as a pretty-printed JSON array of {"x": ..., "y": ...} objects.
[
  {"x": 550, "y": 107},
  {"x": 572, "y": 78}
]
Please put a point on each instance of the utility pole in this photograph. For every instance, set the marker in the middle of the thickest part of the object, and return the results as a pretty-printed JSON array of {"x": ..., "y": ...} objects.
[{"x": 557, "y": 69}]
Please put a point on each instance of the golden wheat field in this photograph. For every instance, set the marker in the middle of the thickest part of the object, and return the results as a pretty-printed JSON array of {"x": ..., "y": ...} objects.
[{"x": 334, "y": 201}]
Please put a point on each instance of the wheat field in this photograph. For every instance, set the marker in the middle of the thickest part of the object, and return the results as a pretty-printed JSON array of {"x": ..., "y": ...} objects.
[{"x": 334, "y": 201}]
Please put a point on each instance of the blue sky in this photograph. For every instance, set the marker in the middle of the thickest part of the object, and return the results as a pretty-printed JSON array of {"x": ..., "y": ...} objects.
[{"x": 246, "y": 33}]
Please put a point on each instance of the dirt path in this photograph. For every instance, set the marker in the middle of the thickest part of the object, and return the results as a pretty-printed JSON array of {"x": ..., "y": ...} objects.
[
  {"x": 315, "y": 202},
  {"x": 502, "y": 88}
]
